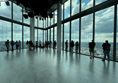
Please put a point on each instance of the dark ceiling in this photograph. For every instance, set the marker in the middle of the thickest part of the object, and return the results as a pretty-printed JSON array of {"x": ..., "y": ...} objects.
[{"x": 38, "y": 7}]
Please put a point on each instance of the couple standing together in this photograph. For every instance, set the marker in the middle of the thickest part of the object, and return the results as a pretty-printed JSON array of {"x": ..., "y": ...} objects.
[{"x": 106, "y": 49}]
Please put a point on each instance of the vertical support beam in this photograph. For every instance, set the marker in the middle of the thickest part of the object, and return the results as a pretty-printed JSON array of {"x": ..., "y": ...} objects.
[
  {"x": 58, "y": 26},
  {"x": 70, "y": 37},
  {"x": 53, "y": 35},
  {"x": 50, "y": 29},
  {"x": 32, "y": 30},
  {"x": 70, "y": 8},
  {"x": 115, "y": 32},
  {"x": 93, "y": 28},
  {"x": 37, "y": 29},
  {"x": 12, "y": 22},
  {"x": 43, "y": 32},
  {"x": 22, "y": 32},
  {"x": 80, "y": 30}
]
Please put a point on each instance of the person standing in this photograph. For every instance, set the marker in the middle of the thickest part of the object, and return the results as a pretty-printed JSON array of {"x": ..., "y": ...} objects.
[
  {"x": 77, "y": 44},
  {"x": 7, "y": 45},
  {"x": 66, "y": 43},
  {"x": 91, "y": 49},
  {"x": 19, "y": 44},
  {"x": 12, "y": 45},
  {"x": 106, "y": 50}
]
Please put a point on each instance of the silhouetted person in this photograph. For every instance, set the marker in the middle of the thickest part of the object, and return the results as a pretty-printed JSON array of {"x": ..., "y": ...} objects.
[
  {"x": 7, "y": 45},
  {"x": 91, "y": 49},
  {"x": 77, "y": 44},
  {"x": 106, "y": 49},
  {"x": 27, "y": 43},
  {"x": 36, "y": 44},
  {"x": 12, "y": 45},
  {"x": 66, "y": 44},
  {"x": 72, "y": 45},
  {"x": 19, "y": 44},
  {"x": 39, "y": 43},
  {"x": 54, "y": 44}
]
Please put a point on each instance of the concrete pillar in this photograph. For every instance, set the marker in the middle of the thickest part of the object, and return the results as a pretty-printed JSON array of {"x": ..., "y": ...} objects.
[
  {"x": 32, "y": 30},
  {"x": 59, "y": 27}
]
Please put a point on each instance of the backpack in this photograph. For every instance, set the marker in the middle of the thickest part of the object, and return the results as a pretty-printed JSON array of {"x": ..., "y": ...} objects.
[{"x": 107, "y": 47}]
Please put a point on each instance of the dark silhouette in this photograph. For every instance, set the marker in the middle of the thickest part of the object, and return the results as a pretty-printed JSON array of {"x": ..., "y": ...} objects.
[
  {"x": 106, "y": 49},
  {"x": 91, "y": 49},
  {"x": 12, "y": 45},
  {"x": 17, "y": 45},
  {"x": 7, "y": 45},
  {"x": 66, "y": 43},
  {"x": 76, "y": 44},
  {"x": 54, "y": 44}
]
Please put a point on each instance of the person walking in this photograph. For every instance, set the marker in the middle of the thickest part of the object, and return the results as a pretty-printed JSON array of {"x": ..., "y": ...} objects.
[
  {"x": 66, "y": 43},
  {"x": 106, "y": 50},
  {"x": 91, "y": 49}
]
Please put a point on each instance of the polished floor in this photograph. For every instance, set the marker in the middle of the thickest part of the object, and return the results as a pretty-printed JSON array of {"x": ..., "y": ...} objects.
[{"x": 51, "y": 66}]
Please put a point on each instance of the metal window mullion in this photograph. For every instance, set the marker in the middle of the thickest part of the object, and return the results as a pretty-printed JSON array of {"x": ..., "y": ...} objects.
[
  {"x": 70, "y": 8},
  {"x": 115, "y": 32},
  {"x": 22, "y": 31},
  {"x": 79, "y": 35},
  {"x": 70, "y": 36}
]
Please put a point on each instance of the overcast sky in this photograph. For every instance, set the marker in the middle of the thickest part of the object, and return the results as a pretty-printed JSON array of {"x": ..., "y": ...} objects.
[{"x": 104, "y": 22}]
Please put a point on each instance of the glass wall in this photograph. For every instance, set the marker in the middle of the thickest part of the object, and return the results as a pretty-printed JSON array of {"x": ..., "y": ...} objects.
[
  {"x": 17, "y": 13},
  {"x": 52, "y": 37},
  {"x": 75, "y": 7},
  {"x": 27, "y": 21},
  {"x": 40, "y": 36},
  {"x": 86, "y": 4},
  {"x": 75, "y": 32},
  {"x": 62, "y": 46},
  {"x": 55, "y": 16},
  {"x": 66, "y": 34},
  {"x": 67, "y": 9},
  {"x": 117, "y": 36},
  {"x": 5, "y": 10},
  {"x": 48, "y": 34},
  {"x": 99, "y": 1},
  {"x": 26, "y": 35},
  {"x": 36, "y": 35},
  {"x": 104, "y": 27},
  {"x": 86, "y": 33},
  {"x": 40, "y": 23},
  {"x": 55, "y": 34},
  {"x": 17, "y": 33},
  {"x": 5, "y": 33},
  {"x": 61, "y": 12}
]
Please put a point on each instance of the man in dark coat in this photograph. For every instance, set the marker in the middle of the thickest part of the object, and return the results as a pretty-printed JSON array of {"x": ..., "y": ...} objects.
[
  {"x": 106, "y": 49},
  {"x": 91, "y": 49}
]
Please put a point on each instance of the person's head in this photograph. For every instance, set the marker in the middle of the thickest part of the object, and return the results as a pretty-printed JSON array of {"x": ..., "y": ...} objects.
[
  {"x": 92, "y": 41},
  {"x": 106, "y": 41}
]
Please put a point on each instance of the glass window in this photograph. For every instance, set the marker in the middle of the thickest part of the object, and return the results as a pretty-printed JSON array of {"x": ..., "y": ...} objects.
[
  {"x": 55, "y": 34},
  {"x": 104, "y": 29},
  {"x": 66, "y": 34},
  {"x": 17, "y": 33},
  {"x": 55, "y": 18},
  {"x": 61, "y": 12},
  {"x": 36, "y": 35},
  {"x": 5, "y": 33},
  {"x": 48, "y": 34},
  {"x": 40, "y": 36},
  {"x": 117, "y": 37},
  {"x": 75, "y": 7},
  {"x": 40, "y": 23},
  {"x": 17, "y": 13},
  {"x": 86, "y": 33},
  {"x": 44, "y": 37},
  {"x": 99, "y": 1},
  {"x": 85, "y": 4},
  {"x": 5, "y": 10},
  {"x": 75, "y": 32},
  {"x": 48, "y": 21},
  {"x": 36, "y": 19},
  {"x": 27, "y": 21},
  {"x": 67, "y": 9},
  {"x": 52, "y": 37},
  {"x": 62, "y": 46},
  {"x": 26, "y": 35}
]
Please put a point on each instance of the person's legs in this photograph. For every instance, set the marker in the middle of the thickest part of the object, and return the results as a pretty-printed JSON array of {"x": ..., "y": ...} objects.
[
  {"x": 107, "y": 53},
  {"x": 104, "y": 55}
]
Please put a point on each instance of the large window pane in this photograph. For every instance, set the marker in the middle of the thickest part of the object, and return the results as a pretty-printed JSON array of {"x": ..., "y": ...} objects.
[
  {"x": 99, "y": 1},
  {"x": 62, "y": 46},
  {"x": 40, "y": 36},
  {"x": 86, "y": 33},
  {"x": 66, "y": 34},
  {"x": 67, "y": 9},
  {"x": 36, "y": 36},
  {"x": 17, "y": 33},
  {"x": 5, "y": 10},
  {"x": 55, "y": 16},
  {"x": 55, "y": 34},
  {"x": 117, "y": 37},
  {"x": 5, "y": 33},
  {"x": 104, "y": 23},
  {"x": 75, "y": 7},
  {"x": 27, "y": 21},
  {"x": 61, "y": 12},
  {"x": 26, "y": 35},
  {"x": 40, "y": 23},
  {"x": 75, "y": 32},
  {"x": 85, "y": 4},
  {"x": 48, "y": 34},
  {"x": 17, "y": 14},
  {"x": 52, "y": 37}
]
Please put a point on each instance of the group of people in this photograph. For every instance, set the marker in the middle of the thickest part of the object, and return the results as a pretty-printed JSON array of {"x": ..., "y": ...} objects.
[
  {"x": 12, "y": 43},
  {"x": 106, "y": 48},
  {"x": 47, "y": 44},
  {"x": 72, "y": 45}
]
